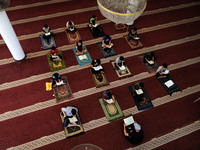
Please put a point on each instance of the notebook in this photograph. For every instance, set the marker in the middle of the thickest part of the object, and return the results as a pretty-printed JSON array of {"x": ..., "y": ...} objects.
[{"x": 128, "y": 121}]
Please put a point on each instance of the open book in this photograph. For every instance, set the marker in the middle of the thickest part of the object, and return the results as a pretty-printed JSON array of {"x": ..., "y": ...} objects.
[
  {"x": 60, "y": 83},
  {"x": 95, "y": 25},
  {"x": 98, "y": 68},
  {"x": 73, "y": 119},
  {"x": 110, "y": 101},
  {"x": 129, "y": 120},
  {"x": 47, "y": 33},
  {"x": 139, "y": 91},
  {"x": 122, "y": 68},
  {"x": 151, "y": 62},
  {"x": 81, "y": 57},
  {"x": 169, "y": 83},
  {"x": 54, "y": 56}
]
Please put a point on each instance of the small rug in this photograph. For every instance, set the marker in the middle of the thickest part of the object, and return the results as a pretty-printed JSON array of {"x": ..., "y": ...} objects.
[
  {"x": 141, "y": 104},
  {"x": 107, "y": 52},
  {"x": 173, "y": 88},
  {"x": 127, "y": 73},
  {"x": 63, "y": 92},
  {"x": 45, "y": 44},
  {"x": 112, "y": 111},
  {"x": 73, "y": 130},
  {"x": 73, "y": 37},
  {"x": 152, "y": 68},
  {"x": 86, "y": 58},
  {"x": 97, "y": 35},
  {"x": 120, "y": 26},
  {"x": 56, "y": 65},
  {"x": 97, "y": 82},
  {"x": 132, "y": 45}
]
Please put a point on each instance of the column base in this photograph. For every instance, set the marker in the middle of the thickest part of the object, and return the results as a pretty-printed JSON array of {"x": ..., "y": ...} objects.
[{"x": 21, "y": 59}]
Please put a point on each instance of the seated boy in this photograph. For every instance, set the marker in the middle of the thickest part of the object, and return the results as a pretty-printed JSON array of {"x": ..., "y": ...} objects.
[
  {"x": 119, "y": 63},
  {"x": 96, "y": 66},
  {"x": 162, "y": 71},
  {"x": 108, "y": 97},
  {"x": 93, "y": 22},
  {"x": 55, "y": 55},
  {"x": 133, "y": 132},
  {"x": 70, "y": 118},
  {"x": 138, "y": 92},
  {"x": 47, "y": 34},
  {"x": 132, "y": 35},
  {"x": 106, "y": 43},
  {"x": 70, "y": 26},
  {"x": 80, "y": 50},
  {"x": 57, "y": 80},
  {"x": 149, "y": 58}
]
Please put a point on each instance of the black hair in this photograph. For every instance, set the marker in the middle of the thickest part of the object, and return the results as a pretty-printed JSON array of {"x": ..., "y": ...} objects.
[
  {"x": 98, "y": 61},
  {"x": 80, "y": 41},
  {"x": 53, "y": 48},
  {"x": 46, "y": 26},
  {"x": 164, "y": 65},
  {"x": 136, "y": 87},
  {"x": 135, "y": 29},
  {"x": 107, "y": 36},
  {"x": 93, "y": 22},
  {"x": 73, "y": 111},
  {"x": 109, "y": 95},
  {"x": 93, "y": 16},
  {"x": 121, "y": 58},
  {"x": 141, "y": 84},
  {"x": 70, "y": 23}
]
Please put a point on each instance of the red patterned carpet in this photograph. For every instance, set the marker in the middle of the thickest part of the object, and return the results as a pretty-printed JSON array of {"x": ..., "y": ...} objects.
[{"x": 29, "y": 115}]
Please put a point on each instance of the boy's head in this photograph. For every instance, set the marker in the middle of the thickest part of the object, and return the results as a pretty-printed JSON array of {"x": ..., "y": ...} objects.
[
  {"x": 46, "y": 26},
  {"x": 165, "y": 65},
  {"x": 80, "y": 42},
  {"x": 73, "y": 111},
  {"x": 121, "y": 58},
  {"x": 53, "y": 48}
]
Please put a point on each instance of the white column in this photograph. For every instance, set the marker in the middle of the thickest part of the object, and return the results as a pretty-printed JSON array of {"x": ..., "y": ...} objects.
[{"x": 8, "y": 34}]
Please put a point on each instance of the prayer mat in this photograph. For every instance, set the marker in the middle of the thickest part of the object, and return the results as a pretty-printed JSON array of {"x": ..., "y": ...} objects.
[
  {"x": 83, "y": 59},
  {"x": 132, "y": 44},
  {"x": 122, "y": 74},
  {"x": 141, "y": 104},
  {"x": 73, "y": 37},
  {"x": 48, "y": 86},
  {"x": 150, "y": 68},
  {"x": 100, "y": 34},
  {"x": 120, "y": 26},
  {"x": 45, "y": 44},
  {"x": 73, "y": 130},
  {"x": 95, "y": 77},
  {"x": 173, "y": 88},
  {"x": 56, "y": 65},
  {"x": 63, "y": 91},
  {"x": 112, "y": 111},
  {"x": 107, "y": 52}
]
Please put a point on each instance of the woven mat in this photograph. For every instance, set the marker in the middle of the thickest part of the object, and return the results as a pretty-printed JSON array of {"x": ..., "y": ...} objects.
[
  {"x": 173, "y": 88},
  {"x": 141, "y": 104},
  {"x": 62, "y": 92},
  {"x": 151, "y": 69},
  {"x": 56, "y": 65},
  {"x": 97, "y": 82},
  {"x": 45, "y": 45},
  {"x": 73, "y": 130},
  {"x": 107, "y": 53},
  {"x": 73, "y": 37},
  {"x": 120, "y": 26},
  {"x": 83, "y": 61},
  {"x": 139, "y": 45},
  {"x": 100, "y": 34},
  {"x": 122, "y": 75},
  {"x": 112, "y": 111}
]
